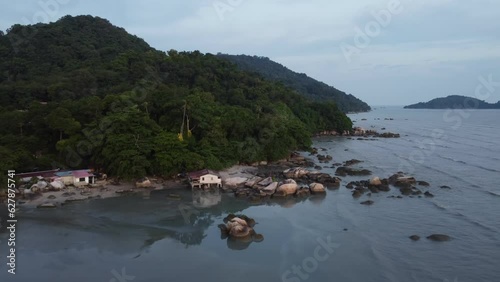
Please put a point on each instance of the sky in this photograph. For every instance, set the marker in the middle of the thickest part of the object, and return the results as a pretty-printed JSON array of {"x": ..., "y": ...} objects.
[{"x": 385, "y": 52}]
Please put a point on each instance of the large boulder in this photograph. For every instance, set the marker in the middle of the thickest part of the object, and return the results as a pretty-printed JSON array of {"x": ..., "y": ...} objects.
[
  {"x": 253, "y": 181},
  {"x": 325, "y": 179},
  {"x": 144, "y": 183},
  {"x": 235, "y": 181},
  {"x": 439, "y": 237},
  {"x": 289, "y": 187},
  {"x": 375, "y": 181},
  {"x": 401, "y": 180},
  {"x": 265, "y": 182},
  {"x": 317, "y": 188},
  {"x": 271, "y": 188},
  {"x": 57, "y": 185},
  {"x": 295, "y": 173}
]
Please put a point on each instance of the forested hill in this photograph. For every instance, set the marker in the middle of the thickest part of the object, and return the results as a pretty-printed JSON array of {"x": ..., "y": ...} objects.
[
  {"x": 81, "y": 92},
  {"x": 455, "y": 102},
  {"x": 302, "y": 83}
]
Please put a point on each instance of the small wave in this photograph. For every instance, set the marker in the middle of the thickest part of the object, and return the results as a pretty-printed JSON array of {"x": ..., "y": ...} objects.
[
  {"x": 464, "y": 217},
  {"x": 493, "y": 193},
  {"x": 488, "y": 168},
  {"x": 439, "y": 206}
]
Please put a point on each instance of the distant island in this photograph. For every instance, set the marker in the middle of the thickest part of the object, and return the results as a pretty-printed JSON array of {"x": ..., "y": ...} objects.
[{"x": 454, "y": 102}]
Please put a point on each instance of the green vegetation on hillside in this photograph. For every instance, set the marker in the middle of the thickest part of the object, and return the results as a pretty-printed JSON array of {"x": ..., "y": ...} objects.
[
  {"x": 81, "y": 92},
  {"x": 455, "y": 102},
  {"x": 303, "y": 84}
]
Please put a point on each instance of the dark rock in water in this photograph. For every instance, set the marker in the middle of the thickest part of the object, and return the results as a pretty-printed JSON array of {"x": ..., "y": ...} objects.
[
  {"x": 415, "y": 237},
  {"x": 400, "y": 180},
  {"x": 439, "y": 237},
  {"x": 384, "y": 188},
  {"x": 350, "y": 185},
  {"x": 367, "y": 203},
  {"x": 318, "y": 167},
  {"x": 325, "y": 179},
  {"x": 345, "y": 229},
  {"x": 399, "y": 197},
  {"x": 304, "y": 192},
  {"x": 416, "y": 192},
  {"x": 344, "y": 171},
  {"x": 52, "y": 197},
  {"x": 324, "y": 159},
  {"x": 352, "y": 162},
  {"x": 356, "y": 194},
  {"x": 407, "y": 191},
  {"x": 428, "y": 194},
  {"x": 445, "y": 187},
  {"x": 423, "y": 183},
  {"x": 373, "y": 189}
]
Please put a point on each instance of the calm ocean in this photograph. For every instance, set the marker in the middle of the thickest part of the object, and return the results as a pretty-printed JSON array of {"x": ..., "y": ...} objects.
[{"x": 159, "y": 239}]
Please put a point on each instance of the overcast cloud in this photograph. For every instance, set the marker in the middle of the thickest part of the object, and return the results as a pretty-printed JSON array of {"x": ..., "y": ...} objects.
[{"x": 427, "y": 49}]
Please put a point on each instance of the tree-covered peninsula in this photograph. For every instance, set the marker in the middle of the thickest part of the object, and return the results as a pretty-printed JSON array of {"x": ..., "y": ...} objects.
[{"x": 81, "y": 92}]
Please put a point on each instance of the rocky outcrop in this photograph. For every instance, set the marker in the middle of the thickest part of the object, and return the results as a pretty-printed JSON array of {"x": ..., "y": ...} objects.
[
  {"x": 344, "y": 171},
  {"x": 289, "y": 187},
  {"x": 239, "y": 231},
  {"x": 295, "y": 173},
  {"x": 144, "y": 183},
  {"x": 402, "y": 181},
  {"x": 271, "y": 188},
  {"x": 317, "y": 188},
  {"x": 235, "y": 181},
  {"x": 414, "y": 237},
  {"x": 439, "y": 237},
  {"x": 352, "y": 162},
  {"x": 375, "y": 181}
]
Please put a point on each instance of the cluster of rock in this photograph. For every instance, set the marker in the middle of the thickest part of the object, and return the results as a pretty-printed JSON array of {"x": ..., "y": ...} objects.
[
  {"x": 257, "y": 188},
  {"x": 41, "y": 186},
  {"x": 361, "y": 132},
  {"x": 433, "y": 237},
  {"x": 346, "y": 170},
  {"x": 405, "y": 184},
  {"x": 240, "y": 229}
]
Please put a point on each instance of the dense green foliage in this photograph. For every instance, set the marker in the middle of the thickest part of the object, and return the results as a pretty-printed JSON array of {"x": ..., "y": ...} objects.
[
  {"x": 303, "y": 84},
  {"x": 83, "y": 93},
  {"x": 455, "y": 102}
]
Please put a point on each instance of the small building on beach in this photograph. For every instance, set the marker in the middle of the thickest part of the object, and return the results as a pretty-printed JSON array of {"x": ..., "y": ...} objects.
[
  {"x": 76, "y": 177},
  {"x": 70, "y": 177},
  {"x": 204, "y": 179}
]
